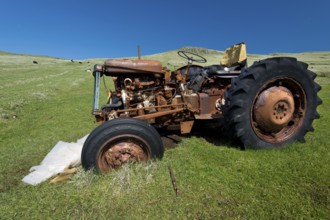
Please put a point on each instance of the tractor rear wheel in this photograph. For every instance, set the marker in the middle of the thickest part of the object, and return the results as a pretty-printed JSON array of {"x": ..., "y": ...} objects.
[
  {"x": 272, "y": 103},
  {"x": 118, "y": 141}
]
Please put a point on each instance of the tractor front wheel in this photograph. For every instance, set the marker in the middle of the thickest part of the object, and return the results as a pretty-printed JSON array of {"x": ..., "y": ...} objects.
[{"x": 118, "y": 141}]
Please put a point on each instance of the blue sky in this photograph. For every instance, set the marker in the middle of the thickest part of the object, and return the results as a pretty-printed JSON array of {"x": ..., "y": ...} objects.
[{"x": 108, "y": 28}]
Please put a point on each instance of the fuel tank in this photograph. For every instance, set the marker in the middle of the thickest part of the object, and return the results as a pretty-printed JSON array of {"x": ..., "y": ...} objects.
[{"x": 122, "y": 66}]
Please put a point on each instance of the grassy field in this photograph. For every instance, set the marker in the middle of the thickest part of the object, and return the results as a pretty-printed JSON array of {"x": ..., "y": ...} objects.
[{"x": 43, "y": 103}]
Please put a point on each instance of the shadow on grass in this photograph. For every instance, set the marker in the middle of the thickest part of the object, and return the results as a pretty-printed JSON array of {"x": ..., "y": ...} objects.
[{"x": 211, "y": 131}]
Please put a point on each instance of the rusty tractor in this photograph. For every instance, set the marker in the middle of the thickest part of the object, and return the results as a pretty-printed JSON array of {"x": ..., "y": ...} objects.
[{"x": 271, "y": 103}]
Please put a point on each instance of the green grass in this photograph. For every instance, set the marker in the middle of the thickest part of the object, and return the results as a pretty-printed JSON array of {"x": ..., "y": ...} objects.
[{"x": 51, "y": 101}]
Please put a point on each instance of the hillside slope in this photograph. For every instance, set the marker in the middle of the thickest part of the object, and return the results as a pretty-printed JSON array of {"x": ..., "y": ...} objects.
[{"x": 318, "y": 61}]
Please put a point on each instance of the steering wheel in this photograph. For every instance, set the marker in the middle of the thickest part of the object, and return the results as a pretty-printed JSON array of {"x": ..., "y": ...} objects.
[{"x": 194, "y": 58}]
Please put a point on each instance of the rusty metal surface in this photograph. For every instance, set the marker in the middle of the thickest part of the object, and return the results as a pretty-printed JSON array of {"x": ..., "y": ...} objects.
[
  {"x": 151, "y": 107},
  {"x": 192, "y": 101},
  {"x": 159, "y": 114},
  {"x": 161, "y": 101},
  {"x": 186, "y": 126},
  {"x": 139, "y": 52},
  {"x": 204, "y": 103},
  {"x": 207, "y": 105},
  {"x": 115, "y": 155},
  {"x": 132, "y": 66},
  {"x": 273, "y": 109},
  {"x": 289, "y": 102}
]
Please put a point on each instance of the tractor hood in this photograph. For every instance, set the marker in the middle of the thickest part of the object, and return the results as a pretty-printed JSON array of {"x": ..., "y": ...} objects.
[{"x": 113, "y": 66}]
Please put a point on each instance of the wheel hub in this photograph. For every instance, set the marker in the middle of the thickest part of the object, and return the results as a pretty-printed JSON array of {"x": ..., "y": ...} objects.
[
  {"x": 123, "y": 152},
  {"x": 274, "y": 109}
]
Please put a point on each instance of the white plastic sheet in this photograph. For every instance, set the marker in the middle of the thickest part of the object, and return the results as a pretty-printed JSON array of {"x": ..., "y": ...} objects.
[{"x": 62, "y": 156}]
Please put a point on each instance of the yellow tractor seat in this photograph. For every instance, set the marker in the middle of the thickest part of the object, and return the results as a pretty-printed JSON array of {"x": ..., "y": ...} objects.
[{"x": 235, "y": 56}]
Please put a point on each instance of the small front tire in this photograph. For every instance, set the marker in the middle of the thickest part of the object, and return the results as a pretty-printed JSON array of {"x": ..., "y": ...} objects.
[{"x": 118, "y": 141}]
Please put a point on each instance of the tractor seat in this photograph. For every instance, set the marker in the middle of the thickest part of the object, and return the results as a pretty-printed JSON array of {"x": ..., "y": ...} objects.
[{"x": 233, "y": 60}]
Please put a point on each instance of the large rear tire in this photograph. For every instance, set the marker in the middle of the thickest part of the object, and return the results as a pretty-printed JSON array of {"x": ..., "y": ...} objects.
[
  {"x": 272, "y": 103},
  {"x": 118, "y": 141}
]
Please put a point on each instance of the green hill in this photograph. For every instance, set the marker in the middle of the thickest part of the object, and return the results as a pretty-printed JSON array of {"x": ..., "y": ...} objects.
[
  {"x": 43, "y": 103},
  {"x": 319, "y": 61}
]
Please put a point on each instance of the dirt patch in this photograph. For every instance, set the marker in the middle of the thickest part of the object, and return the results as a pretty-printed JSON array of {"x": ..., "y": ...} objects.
[{"x": 171, "y": 140}]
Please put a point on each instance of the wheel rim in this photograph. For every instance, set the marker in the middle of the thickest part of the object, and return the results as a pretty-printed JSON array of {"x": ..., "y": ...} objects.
[
  {"x": 278, "y": 110},
  {"x": 119, "y": 150}
]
